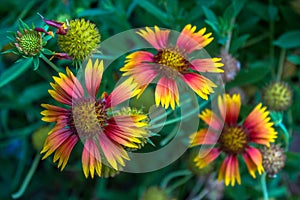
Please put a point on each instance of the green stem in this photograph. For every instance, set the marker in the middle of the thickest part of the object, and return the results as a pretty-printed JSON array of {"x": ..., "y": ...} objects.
[
  {"x": 286, "y": 135},
  {"x": 49, "y": 63},
  {"x": 229, "y": 35},
  {"x": 179, "y": 183},
  {"x": 280, "y": 64},
  {"x": 168, "y": 112},
  {"x": 173, "y": 175},
  {"x": 256, "y": 40},
  {"x": 177, "y": 119},
  {"x": 161, "y": 116},
  {"x": 28, "y": 177},
  {"x": 169, "y": 137},
  {"x": 263, "y": 182},
  {"x": 272, "y": 52}
]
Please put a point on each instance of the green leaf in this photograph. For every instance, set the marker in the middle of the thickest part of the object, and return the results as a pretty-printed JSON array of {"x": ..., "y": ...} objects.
[
  {"x": 152, "y": 9},
  {"x": 214, "y": 26},
  {"x": 238, "y": 5},
  {"x": 8, "y": 51},
  {"x": 249, "y": 76},
  {"x": 14, "y": 71},
  {"x": 273, "y": 12},
  {"x": 294, "y": 59},
  {"x": 289, "y": 40},
  {"x": 24, "y": 131},
  {"x": 36, "y": 62},
  {"x": 237, "y": 43},
  {"x": 47, "y": 52},
  {"x": 231, "y": 12},
  {"x": 94, "y": 12},
  {"x": 210, "y": 15},
  {"x": 205, "y": 2},
  {"x": 39, "y": 91}
]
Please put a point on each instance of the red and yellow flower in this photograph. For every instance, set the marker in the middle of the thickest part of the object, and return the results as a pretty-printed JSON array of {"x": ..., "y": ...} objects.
[
  {"x": 170, "y": 64},
  {"x": 233, "y": 139},
  {"x": 105, "y": 133}
]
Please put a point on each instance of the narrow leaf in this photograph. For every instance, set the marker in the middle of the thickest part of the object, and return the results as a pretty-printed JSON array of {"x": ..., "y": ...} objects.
[{"x": 14, "y": 71}]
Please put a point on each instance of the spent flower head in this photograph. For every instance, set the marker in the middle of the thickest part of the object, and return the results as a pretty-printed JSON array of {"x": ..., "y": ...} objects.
[{"x": 273, "y": 159}]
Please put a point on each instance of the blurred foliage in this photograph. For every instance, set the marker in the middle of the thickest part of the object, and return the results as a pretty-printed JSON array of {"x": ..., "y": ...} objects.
[{"x": 263, "y": 35}]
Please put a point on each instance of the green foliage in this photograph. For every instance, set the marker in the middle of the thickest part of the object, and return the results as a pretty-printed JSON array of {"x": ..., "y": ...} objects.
[
  {"x": 14, "y": 71},
  {"x": 289, "y": 40}
]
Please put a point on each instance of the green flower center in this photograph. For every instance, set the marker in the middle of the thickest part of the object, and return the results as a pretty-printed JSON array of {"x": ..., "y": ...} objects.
[
  {"x": 81, "y": 40},
  {"x": 171, "y": 61},
  {"x": 89, "y": 117},
  {"x": 233, "y": 140},
  {"x": 277, "y": 96},
  {"x": 30, "y": 43}
]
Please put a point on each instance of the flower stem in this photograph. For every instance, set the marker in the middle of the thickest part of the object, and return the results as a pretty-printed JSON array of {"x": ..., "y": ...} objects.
[
  {"x": 255, "y": 40},
  {"x": 272, "y": 52},
  {"x": 280, "y": 64},
  {"x": 179, "y": 118},
  {"x": 49, "y": 63},
  {"x": 167, "y": 179},
  {"x": 179, "y": 183},
  {"x": 229, "y": 35},
  {"x": 28, "y": 177},
  {"x": 263, "y": 182},
  {"x": 286, "y": 135}
]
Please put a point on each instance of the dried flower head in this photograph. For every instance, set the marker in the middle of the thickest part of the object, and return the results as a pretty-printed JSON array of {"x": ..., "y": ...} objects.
[
  {"x": 231, "y": 66},
  {"x": 273, "y": 159}
]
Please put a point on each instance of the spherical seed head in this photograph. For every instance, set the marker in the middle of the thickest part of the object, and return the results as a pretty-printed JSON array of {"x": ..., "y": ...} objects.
[
  {"x": 155, "y": 193},
  {"x": 81, "y": 40},
  {"x": 277, "y": 96},
  {"x": 29, "y": 42},
  {"x": 273, "y": 159}
]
